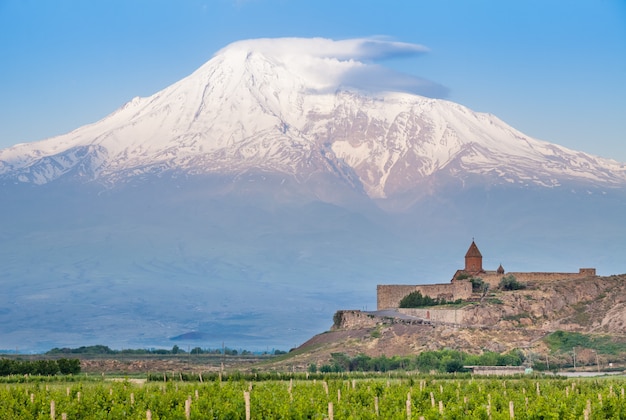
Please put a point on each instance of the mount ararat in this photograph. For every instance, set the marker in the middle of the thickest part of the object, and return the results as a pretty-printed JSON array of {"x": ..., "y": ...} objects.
[{"x": 279, "y": 182}]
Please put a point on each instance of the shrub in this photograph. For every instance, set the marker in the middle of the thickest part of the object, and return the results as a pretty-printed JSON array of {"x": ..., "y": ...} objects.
[
  {"x": 510, "y": 283},
  {"x": 478, "y": 285},
  {"x": 416, "y": 300}
]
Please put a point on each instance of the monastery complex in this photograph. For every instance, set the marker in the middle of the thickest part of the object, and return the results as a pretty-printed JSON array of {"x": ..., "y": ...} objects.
[{"x": 460, "y": 287}]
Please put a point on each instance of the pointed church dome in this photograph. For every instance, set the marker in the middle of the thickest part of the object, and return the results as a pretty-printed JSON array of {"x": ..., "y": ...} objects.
[
  {"x": 473, "y": 259},
  {"x": 473, "y": 251}
]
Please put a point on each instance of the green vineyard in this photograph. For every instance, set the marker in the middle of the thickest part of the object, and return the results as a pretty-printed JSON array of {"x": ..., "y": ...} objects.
[{"x": 331, "y": 398}]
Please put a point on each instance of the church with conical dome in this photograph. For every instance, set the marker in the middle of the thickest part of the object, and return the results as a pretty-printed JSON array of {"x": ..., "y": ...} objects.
[
  {"x": 460, "y": 287},
  {"x": 473, "y": 260}
]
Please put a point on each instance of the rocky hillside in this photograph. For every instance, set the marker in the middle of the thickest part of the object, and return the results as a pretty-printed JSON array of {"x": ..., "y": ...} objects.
[{"x": 501, "y": 321}]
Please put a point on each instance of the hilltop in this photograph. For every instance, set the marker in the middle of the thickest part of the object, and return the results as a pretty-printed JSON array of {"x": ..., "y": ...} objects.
[{"x": 546, "y": 318}]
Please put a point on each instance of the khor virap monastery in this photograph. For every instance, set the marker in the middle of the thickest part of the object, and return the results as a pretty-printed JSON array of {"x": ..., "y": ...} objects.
[{"x": 389, "y": 296}]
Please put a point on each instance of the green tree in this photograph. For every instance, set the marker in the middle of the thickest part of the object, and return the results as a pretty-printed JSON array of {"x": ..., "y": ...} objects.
[
  {"x": 510, "y": 283},
  {"x": 454, "y": 365},
  {"x": 479, "y": 285},
  {"x": 417, "y": 300},
  {"x": 69, "y": 366}
]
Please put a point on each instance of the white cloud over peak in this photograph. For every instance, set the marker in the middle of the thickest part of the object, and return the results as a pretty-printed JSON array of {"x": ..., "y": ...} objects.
[{"x": 329, "y": 64}]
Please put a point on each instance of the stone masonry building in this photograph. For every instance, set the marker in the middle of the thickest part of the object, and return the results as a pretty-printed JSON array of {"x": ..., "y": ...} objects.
[{"x": 460, "y": 287}]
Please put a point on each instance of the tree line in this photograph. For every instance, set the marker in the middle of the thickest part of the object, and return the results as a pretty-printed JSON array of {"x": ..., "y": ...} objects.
[
  {"x": 101, "y": 349},
  {"x": 39, "y": 367},
  {"x": 440, "y": 361}
]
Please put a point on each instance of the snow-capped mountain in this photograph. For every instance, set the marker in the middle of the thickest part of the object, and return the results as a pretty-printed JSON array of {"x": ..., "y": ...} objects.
[
  {"x": 249, "y": 201},
  {"x": 288, "y": 106}
]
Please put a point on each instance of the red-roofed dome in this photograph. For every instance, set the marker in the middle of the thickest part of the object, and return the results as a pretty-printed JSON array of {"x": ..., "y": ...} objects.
[{"x": 473, "y": 259}]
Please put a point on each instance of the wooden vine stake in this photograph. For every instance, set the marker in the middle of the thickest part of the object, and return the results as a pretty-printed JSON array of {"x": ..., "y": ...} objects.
[
  {"x": 587, "y": 411},
  {"x": 63, "y": 416},
  {"x": 246, "y": 397},
  {"x": 376, "y": 405},
  {"x": 408, "y": 407},
  {"x": 511, "y": 410},
  {"x": 52, "y": 409},
  {"x": 148, "y": 415},
  {"x": 441, "y": 407},
  {"x": 331, "y": 413},
  {"x": 432, "y": 399},
  {"x": 32, "y": 398},
  {"x": 188, "y": 408}
]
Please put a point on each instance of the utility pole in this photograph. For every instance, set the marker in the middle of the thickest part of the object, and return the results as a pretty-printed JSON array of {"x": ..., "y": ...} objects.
[
  {"x": 597, "y": 360},
  {"x": 574, "y": 352}
]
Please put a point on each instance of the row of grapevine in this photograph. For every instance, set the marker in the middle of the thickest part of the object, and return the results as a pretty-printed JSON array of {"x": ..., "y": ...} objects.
[{"x": 319, "y": 399}]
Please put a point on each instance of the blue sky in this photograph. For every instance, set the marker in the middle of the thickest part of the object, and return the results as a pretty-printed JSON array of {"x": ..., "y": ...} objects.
[{"x": 556, "y": 70}]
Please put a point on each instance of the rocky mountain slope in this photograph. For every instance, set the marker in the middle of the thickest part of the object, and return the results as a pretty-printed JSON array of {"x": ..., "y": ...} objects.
[
  {"x": 254, "y": 106},
  {"x": 503, "y": 321}
]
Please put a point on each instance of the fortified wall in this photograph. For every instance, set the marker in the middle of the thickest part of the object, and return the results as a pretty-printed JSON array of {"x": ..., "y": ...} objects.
[
  {"x": 493, "y": 278},
  {"x": 389, "y": 296},
  {"x": 355, "y": 319},
  {"x": 447, "y": 316}
]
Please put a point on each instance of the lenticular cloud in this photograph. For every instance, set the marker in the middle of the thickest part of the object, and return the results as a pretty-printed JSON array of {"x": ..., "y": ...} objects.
[{"x": 329, "y": 64}]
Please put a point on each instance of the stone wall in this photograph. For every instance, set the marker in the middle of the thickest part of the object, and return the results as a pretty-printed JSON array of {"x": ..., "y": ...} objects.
[
  {"x": 497, "y": 370},
  {"x": 389, "y": 296},
  {"x": 449, "y": 316},
  {"x": 355, "y": 319},
  {"x": 494, "y": 279}
]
